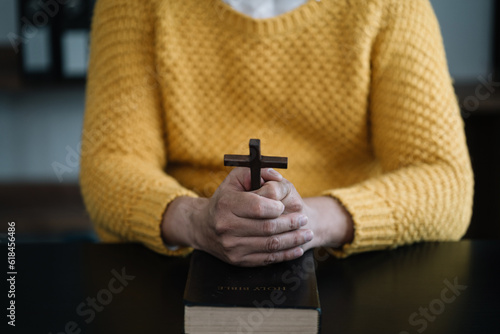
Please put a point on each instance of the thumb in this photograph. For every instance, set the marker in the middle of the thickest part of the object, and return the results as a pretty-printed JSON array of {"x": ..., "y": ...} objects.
[
  {"x": 270, "y": 174},
  {"x": 240, "y": 179}
]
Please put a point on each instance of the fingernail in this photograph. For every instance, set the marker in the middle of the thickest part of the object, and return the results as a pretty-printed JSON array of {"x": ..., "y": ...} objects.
[
  {"x": 303, "y": 221},
  {"x": 308, "y": 235},
  {"x": 298, "y": 252},
  {"x": 274, "y": 172},
  {"x": 282, "y": 207}
]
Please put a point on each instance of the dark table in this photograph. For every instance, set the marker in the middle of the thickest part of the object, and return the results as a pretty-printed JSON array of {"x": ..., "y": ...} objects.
[{"x": 126, "y": 288}]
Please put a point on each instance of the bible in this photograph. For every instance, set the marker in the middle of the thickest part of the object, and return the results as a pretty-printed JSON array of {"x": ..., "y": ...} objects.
[{"x": 278, "y": 298}]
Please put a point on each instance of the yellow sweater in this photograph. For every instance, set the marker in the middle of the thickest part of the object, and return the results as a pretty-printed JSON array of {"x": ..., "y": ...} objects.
[{"x": 355, "y": 93}]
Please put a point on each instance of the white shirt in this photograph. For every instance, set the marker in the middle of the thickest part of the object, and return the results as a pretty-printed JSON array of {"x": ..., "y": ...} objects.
[{"x": 263, "y": 9}]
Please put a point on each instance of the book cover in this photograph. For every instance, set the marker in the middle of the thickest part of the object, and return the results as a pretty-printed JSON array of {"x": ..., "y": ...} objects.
[{"x": 281, "y": 297}]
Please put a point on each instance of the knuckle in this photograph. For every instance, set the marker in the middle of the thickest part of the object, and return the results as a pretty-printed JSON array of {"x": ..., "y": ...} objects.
[
  {"x": 221, "y": 228},
  {"x": 273, "y": 244},
  {"x": 296, "y": 205},
  {"x": 221, "y": 204},
  {"x": 228, "y": 245},
  {"x": 257, "y": 208},
  {"x": 272, "y": 192},
  {"x": 272, "y": 258},
  {"x": 234, "y": 259},
  {"x": 296, "y": 239},
  {"x": 269, "y": 227}
]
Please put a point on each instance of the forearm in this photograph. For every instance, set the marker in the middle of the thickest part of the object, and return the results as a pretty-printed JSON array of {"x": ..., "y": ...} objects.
[
  {"x": 123, "y": 156},
  {"x": 330, "y": 222}
]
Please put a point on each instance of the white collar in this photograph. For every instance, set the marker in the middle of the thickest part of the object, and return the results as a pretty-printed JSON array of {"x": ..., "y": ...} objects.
[{"x": 263, "y": 9}]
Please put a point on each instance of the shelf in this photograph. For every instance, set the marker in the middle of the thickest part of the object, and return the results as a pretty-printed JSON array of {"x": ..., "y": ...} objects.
[{"x": 11, "y": 78}]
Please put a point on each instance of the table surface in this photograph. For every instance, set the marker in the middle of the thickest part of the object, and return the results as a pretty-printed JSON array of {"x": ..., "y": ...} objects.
[{"x": 423, "y": 288}]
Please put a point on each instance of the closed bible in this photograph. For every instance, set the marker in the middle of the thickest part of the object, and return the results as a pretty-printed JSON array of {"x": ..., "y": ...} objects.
[{"x": 278, "y": 298}]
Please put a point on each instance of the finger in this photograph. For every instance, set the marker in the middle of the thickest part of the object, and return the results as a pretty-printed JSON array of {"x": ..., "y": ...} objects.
[
  {"x": 292, "y": 200},
  {"x": 259, "y": 259},
  {"x": 250, "y": 205},
  {"x": 240, "y": 179},
  {"x": 270, "y": 174},
  {"x": 275, "y": 243},
  {"x": 269, "y": 227},
  {"x": 275, "y": 190}
]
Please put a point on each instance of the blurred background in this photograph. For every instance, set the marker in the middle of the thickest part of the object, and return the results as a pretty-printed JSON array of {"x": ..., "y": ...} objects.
[{"x": 43, "y": 61}]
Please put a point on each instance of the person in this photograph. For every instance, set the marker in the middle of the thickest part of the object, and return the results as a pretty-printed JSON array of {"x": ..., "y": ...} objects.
[{"x": 355, "y": 93}]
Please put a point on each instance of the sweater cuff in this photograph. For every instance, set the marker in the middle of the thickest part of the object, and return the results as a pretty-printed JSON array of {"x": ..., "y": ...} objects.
[
  {"x": 146, "y": 216},
  {"x": 374, "y": 224}
]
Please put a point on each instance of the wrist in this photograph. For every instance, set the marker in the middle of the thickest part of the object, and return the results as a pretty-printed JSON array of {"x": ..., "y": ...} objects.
[
  {"x": 331, "y": 223},
  {"x": 315, "y": 211},
  {"x": 180, "y": 220},
  {"x": 197, "y": 216}
]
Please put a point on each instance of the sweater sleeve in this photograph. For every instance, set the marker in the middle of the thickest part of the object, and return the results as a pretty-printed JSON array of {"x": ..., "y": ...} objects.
[
  {"x": 426, "y": 186},
  {"x": 123, "y": 182}
]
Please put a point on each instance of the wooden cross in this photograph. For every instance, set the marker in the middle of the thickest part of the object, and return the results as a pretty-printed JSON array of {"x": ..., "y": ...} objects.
[{"x": 255, "y": 161}]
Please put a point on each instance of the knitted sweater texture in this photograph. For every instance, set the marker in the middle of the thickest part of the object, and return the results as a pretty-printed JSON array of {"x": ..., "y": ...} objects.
[{"x": 355, "y": 93}]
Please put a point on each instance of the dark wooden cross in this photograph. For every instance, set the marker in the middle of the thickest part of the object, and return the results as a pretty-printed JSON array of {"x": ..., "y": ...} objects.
[{"x": 255, "y": 161}]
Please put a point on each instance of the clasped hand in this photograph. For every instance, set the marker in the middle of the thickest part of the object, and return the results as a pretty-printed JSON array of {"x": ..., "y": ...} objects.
[{"x": 250, "y": 228}]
